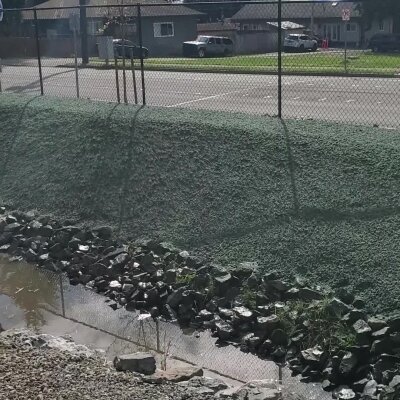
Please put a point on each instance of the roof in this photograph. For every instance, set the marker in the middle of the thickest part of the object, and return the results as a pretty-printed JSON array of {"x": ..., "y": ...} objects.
[
  {"x": 57, "y": 12},
  {"x": 216, "y": 26},
  {"x": 295, "y": 11},
  {"x": 287, "y": 25}
]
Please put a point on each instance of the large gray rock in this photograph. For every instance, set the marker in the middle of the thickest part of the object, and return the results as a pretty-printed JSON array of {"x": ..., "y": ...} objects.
[
  {"x": 257, "y": 390},
  {"x": 180, "y": 374},
  {"x": 143, "y": 363},
  {"x": 216, "y": 385}
]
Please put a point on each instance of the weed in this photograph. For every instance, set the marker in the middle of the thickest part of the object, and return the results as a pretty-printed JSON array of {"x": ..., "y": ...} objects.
[
  {"x": 249, "y": 298},
  {"x": 185, "y": 279}
]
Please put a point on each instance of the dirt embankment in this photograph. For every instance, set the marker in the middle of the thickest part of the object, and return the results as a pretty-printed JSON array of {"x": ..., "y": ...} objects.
[{"x": 307, "y": 198}]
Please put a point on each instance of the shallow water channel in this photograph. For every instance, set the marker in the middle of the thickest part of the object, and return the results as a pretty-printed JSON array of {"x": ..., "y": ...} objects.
[{"x": 45, "y": 302}]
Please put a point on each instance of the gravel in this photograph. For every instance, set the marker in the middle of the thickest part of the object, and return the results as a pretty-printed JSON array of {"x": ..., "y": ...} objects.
[{"x": 43, "y": 367}]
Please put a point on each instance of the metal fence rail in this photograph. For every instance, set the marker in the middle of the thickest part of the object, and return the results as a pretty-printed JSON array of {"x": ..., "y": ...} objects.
[{"x": 306, "y": 59}]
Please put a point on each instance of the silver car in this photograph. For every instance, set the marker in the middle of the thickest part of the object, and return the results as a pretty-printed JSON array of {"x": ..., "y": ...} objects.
[
  {"x": 300, "y": 42},
  {"x": 205, "y": 46}
]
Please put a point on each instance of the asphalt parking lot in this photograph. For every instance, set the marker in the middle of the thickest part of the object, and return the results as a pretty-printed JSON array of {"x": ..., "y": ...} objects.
[{"x": 344, "y": 99}]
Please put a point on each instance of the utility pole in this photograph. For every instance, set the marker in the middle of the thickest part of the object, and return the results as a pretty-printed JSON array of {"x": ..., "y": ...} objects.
[{"x": 84, "y": 33}]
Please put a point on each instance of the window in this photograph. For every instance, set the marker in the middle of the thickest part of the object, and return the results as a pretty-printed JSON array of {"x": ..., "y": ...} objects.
[
  {"x": 381, "y": 25},
  {"x": 211, "y": 41},
  {"x": 351, "y": 27},
  {"x": 218, "y": 40},
  {"x": 227, "y": 41},
  {"x": 163, "y": 29},
  {"x": 94, "y": 27},
  {"x": 245, "y": 27}
]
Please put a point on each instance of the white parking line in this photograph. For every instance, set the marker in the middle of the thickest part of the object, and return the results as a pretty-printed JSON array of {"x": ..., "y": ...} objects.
[
  {"x": 324, "y": 99},
  {"x": 350, "y": 101},
  {"x": 296, "y": 98},
  {"x": 206, "y": 98}
]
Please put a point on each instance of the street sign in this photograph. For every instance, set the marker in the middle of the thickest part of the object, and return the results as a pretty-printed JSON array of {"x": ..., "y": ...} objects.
[
  {"x": 346, "y": 14},
  {"x": 74, "y": 22},
  {"x": 1, "y": 11}
]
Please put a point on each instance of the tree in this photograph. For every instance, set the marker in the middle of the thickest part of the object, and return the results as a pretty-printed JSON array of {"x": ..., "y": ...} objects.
[{"x": 378, "y": 9}]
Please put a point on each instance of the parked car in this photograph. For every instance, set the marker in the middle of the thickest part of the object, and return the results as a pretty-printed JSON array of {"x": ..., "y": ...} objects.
[
  {"x": 385, "y": 42},
  {"x": 300, "y": 42},
  {"x": 130, "y": 49},
  {"x": 205, "y": 46}
]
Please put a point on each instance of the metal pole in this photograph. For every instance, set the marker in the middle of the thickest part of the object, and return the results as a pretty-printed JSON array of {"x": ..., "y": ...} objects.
[
  {"x": 158, "y": 334},
  {"x": 134, "y": 79},
  {"x": 76, "y": 65},
  {"x": 123, "y": 54},
  {"x": 1, "y": 70},
  {"x": 139, "y": 13},
  {"x": 117, "y": 79},
  {"x": 62, "y": 295},
  {"x": 38, "y": 51},
  {"x": 345, "y": 47},
  {"x": 280, "y": 59},
  {"x": 84, "y": 32}
]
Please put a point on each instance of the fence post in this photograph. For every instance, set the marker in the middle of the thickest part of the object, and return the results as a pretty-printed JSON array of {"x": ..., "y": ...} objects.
[
  {"x": 117, "y": 79},
  {"x": 38, "y": 51},
  {"x": 134, "y": 79},
  {"x": 139, "y": 15},
  {"x": 122, "y": 13},
  {"x": 280, "y": 59},
  {"x": 62, "y": 295}
]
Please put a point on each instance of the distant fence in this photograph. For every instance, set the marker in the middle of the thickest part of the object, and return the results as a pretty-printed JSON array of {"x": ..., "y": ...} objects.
[{"x": 280, "y": 58}]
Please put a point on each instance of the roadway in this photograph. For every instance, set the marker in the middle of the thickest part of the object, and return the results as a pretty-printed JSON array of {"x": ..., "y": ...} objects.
[{"x": 344, "y": 99}]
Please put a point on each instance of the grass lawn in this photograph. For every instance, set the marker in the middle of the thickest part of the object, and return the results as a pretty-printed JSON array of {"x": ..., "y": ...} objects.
[{"x": 329, "y": 62}]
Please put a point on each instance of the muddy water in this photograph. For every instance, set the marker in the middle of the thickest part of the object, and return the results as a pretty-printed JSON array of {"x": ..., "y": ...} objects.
[{"x": 46, "y": 302}]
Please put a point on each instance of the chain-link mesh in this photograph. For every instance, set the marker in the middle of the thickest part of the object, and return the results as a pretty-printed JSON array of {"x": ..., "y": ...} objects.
[{"x": 336, "y": 63}]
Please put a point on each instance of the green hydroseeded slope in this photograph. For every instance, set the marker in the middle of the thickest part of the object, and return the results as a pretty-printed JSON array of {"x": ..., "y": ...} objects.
[{"x": 308, "y": 198}]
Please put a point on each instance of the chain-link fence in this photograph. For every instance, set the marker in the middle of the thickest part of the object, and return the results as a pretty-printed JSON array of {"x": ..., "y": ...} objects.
[
  {"x": 46, "y": 302},
  {"x": 311, "y": 59}
]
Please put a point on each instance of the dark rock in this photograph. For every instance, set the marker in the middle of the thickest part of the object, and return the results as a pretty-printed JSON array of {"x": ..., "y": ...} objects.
[
  {"x": 348, "y": 364},
  {"x": 170, "y": 276},
  {"x": 5, "y": 238},
  {"x": 279, "y": 337},
  {"x": 265, "y": 348},
  {"x": 268, "y": 324},
  {"x": 13, "y": 227},
  {"x": 307, "y": 294},
  {"x": 201, "y": 281},
  {"x": 385, "y": 362},
  {"x": 225, "y": 313},
  {"x": 345, "y": 296},
  {"x": 353, "y": 316},
  {"x": 381, "y": 346},
  {"x": 270, "y": 276},
  {"x": 206, "y": 315},
  {"x": 243, "y": 313},
  {"x": 103, "y": 232},
  {"x": 292, "y": 294},
  {"x": 376, "y": 324},
  {"x": 245, "y": 269},
  {"x": 362, "y": 328},
  {"x": 359, "y": 303},
  {"x": 262, "y": 299},
  {"x": 337, "y": 308},
  {"x": 225, "y": 330},
  {"x": 212, "y": 306},
  {"x": 97, "y": 269},
  {"x": 278, "y": 285},
  {"x": 31, "y": 256},
  {"x": 223, "y": 283},
  {"x": 278, "y": 354},
  {"x": 381, "y": 333},
  {"x": 58, "y": 251},
  {"x": 394, "y": 323},
  {"x": 252, "y": 281},
  {"x": 128, "y": 289},
  {"x": 120, "y": 260},
  {"x": 395, "y": 338},
  {"x": 169, "y": 313},
  {"x": 175, "y": 298},
  {"x": 74, "y": 243},
  {"x": 360, "y": 385},
  {"x": 314, "y": 357},
  {"x": 143, "y": 363}
]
